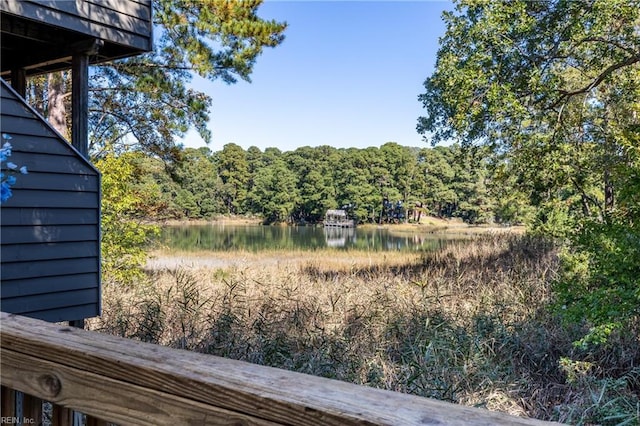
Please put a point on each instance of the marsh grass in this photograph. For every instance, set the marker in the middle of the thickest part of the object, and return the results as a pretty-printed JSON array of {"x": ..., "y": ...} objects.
[{"x": 469, "y": 324}]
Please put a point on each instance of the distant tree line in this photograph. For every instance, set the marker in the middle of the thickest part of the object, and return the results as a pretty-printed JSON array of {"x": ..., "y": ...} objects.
[{"x": 299, "y": 186}]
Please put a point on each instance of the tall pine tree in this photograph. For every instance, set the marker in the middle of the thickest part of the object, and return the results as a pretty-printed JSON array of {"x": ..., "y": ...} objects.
[{"x": 145, "y": 101}]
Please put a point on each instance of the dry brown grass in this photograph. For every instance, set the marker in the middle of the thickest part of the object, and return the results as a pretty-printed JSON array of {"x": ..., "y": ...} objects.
[{"x": 468, "y": 324}]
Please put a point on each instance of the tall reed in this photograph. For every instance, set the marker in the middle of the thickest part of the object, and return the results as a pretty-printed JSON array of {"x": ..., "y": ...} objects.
[{"x": 469, "y": 324}]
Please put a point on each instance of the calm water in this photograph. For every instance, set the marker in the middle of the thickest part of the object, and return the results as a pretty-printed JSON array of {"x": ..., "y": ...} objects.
[{"x": 217, "y": 237}]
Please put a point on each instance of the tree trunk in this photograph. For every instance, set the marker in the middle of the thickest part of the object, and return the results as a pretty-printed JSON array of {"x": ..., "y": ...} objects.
[
  {"x": 35, "y": 94},
  {"x": 610, "y": 154},
  {"x": 586, "y": 211},
  {"x": 57, "y": 113},
  {"x": 608, "y": 191}
]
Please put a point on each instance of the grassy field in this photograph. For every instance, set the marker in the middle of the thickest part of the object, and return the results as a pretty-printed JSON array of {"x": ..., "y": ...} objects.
[{"x": 469, "y": 324}]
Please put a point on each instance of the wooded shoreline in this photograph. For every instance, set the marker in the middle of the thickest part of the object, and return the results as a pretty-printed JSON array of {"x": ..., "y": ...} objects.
[{"x": 428, "y": 224}]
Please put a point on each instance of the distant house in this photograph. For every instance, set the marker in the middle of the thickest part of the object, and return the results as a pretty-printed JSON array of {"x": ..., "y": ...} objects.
[
  {"x": 338, "y": 219},
  {"x": 50, "y": 227}
]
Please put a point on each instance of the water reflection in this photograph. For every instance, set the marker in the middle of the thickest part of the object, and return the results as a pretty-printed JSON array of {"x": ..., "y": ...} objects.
[
  {"x": 221, "y": 237},
  {"x": 339, "y": 237}
]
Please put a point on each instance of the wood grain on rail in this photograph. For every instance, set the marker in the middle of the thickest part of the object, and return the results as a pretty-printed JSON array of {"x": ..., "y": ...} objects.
[{"x": 131, "y": 382}]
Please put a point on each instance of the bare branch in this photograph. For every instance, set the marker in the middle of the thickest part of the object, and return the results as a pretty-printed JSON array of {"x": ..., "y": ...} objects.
[
  {"x": 627, "y": 49},
  {"x": 564, "y": 94}
]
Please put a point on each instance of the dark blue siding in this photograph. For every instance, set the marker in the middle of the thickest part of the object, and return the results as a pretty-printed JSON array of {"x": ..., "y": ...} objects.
[{"x": 50, "y": 228}]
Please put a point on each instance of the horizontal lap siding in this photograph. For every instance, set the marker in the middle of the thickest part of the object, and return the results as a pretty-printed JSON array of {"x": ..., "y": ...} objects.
[
  {"x": 52, "y": 199},
  {"x": 48, "y": 181},
  {"x": 37, "y": 234},
  {"x": 50, "y": 227},
  {"x": 57, "y": 314},
  {"x": 64, "y": 283},
  {"x": 48, "y": 268},
  {"x": 126, "y": 23},
  {"x": 37, "y": 303},
  {"x": 139, "y": 9},
  {"x": 60, "y": 250},
  {"x": 47, "y": 216}
]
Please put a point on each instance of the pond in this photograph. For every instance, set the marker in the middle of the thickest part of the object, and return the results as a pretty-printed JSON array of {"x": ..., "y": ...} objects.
[{"x": 225, "y": 237}]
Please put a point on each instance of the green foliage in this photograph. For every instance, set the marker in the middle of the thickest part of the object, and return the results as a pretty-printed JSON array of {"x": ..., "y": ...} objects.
[
  {"x": 123, "y": 237},
  {"x": 553, "y": 219},
  {"x": 200, "y": 186},
  {"x": 512, "y": 206},
  {"x": 151, "y": 178},
  {"x": 233, "y": 169},
  {"x": 360, "y": 178},
  {"x": 215, "y": 38},
  {"x": 552, "y": 88},
  {"x": 400, "y": 163},
  {"x": 275, "y": 190},
  {"x": 302, "y": 185},
  {"x": 145, "y": 101},
  {"x": 603, "y": 401},
  {"x": 314, "y": 171},
  {"x": 600, "y": 283},
  {"x": 461, "y": 182}
]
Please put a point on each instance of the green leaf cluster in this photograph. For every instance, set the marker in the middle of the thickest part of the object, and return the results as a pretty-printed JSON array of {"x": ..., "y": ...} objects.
[
  {"x": 123, "y": 239},
  {"x": 552, "y": 88},
  {"x": 146, "y": 101},
  {"x": 139, "y": 106},
  {"x": 301, "y": 185}
]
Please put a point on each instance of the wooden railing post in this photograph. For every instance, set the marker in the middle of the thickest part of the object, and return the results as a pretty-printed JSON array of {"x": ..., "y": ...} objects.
[
  {"x": 8, "y": 405},
  {"x": 61, "y": 416},
  {"x": 80, "y": 103},
  {"x": 31, "y": 410},
  {"x": 92, "y": 421}
]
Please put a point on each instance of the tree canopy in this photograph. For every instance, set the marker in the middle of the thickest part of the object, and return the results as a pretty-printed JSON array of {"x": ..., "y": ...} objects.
[
  {"x": 553, "y": 87},
  {"x": 139, "y": 106},
  {"x": 552, "y": 81},
  {"x": 301, "y": 185},
  {"x": 146, "y": 101}
]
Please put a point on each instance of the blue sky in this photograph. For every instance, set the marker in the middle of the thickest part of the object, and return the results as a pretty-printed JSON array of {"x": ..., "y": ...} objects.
[{"x": 347, "y": 75}]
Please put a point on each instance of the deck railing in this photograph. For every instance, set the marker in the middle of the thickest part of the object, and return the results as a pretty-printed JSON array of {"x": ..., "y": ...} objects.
[{"x": 128, "y": 382}]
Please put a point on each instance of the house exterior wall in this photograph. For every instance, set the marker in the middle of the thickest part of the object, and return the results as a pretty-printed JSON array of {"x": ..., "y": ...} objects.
[
  {"x": 50, "y": 227},
  {"x": 125, "y": 22}
]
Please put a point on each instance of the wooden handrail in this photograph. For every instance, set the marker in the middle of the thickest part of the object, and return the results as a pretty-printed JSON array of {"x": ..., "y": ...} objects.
[{"x": 134, "y": 383}]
